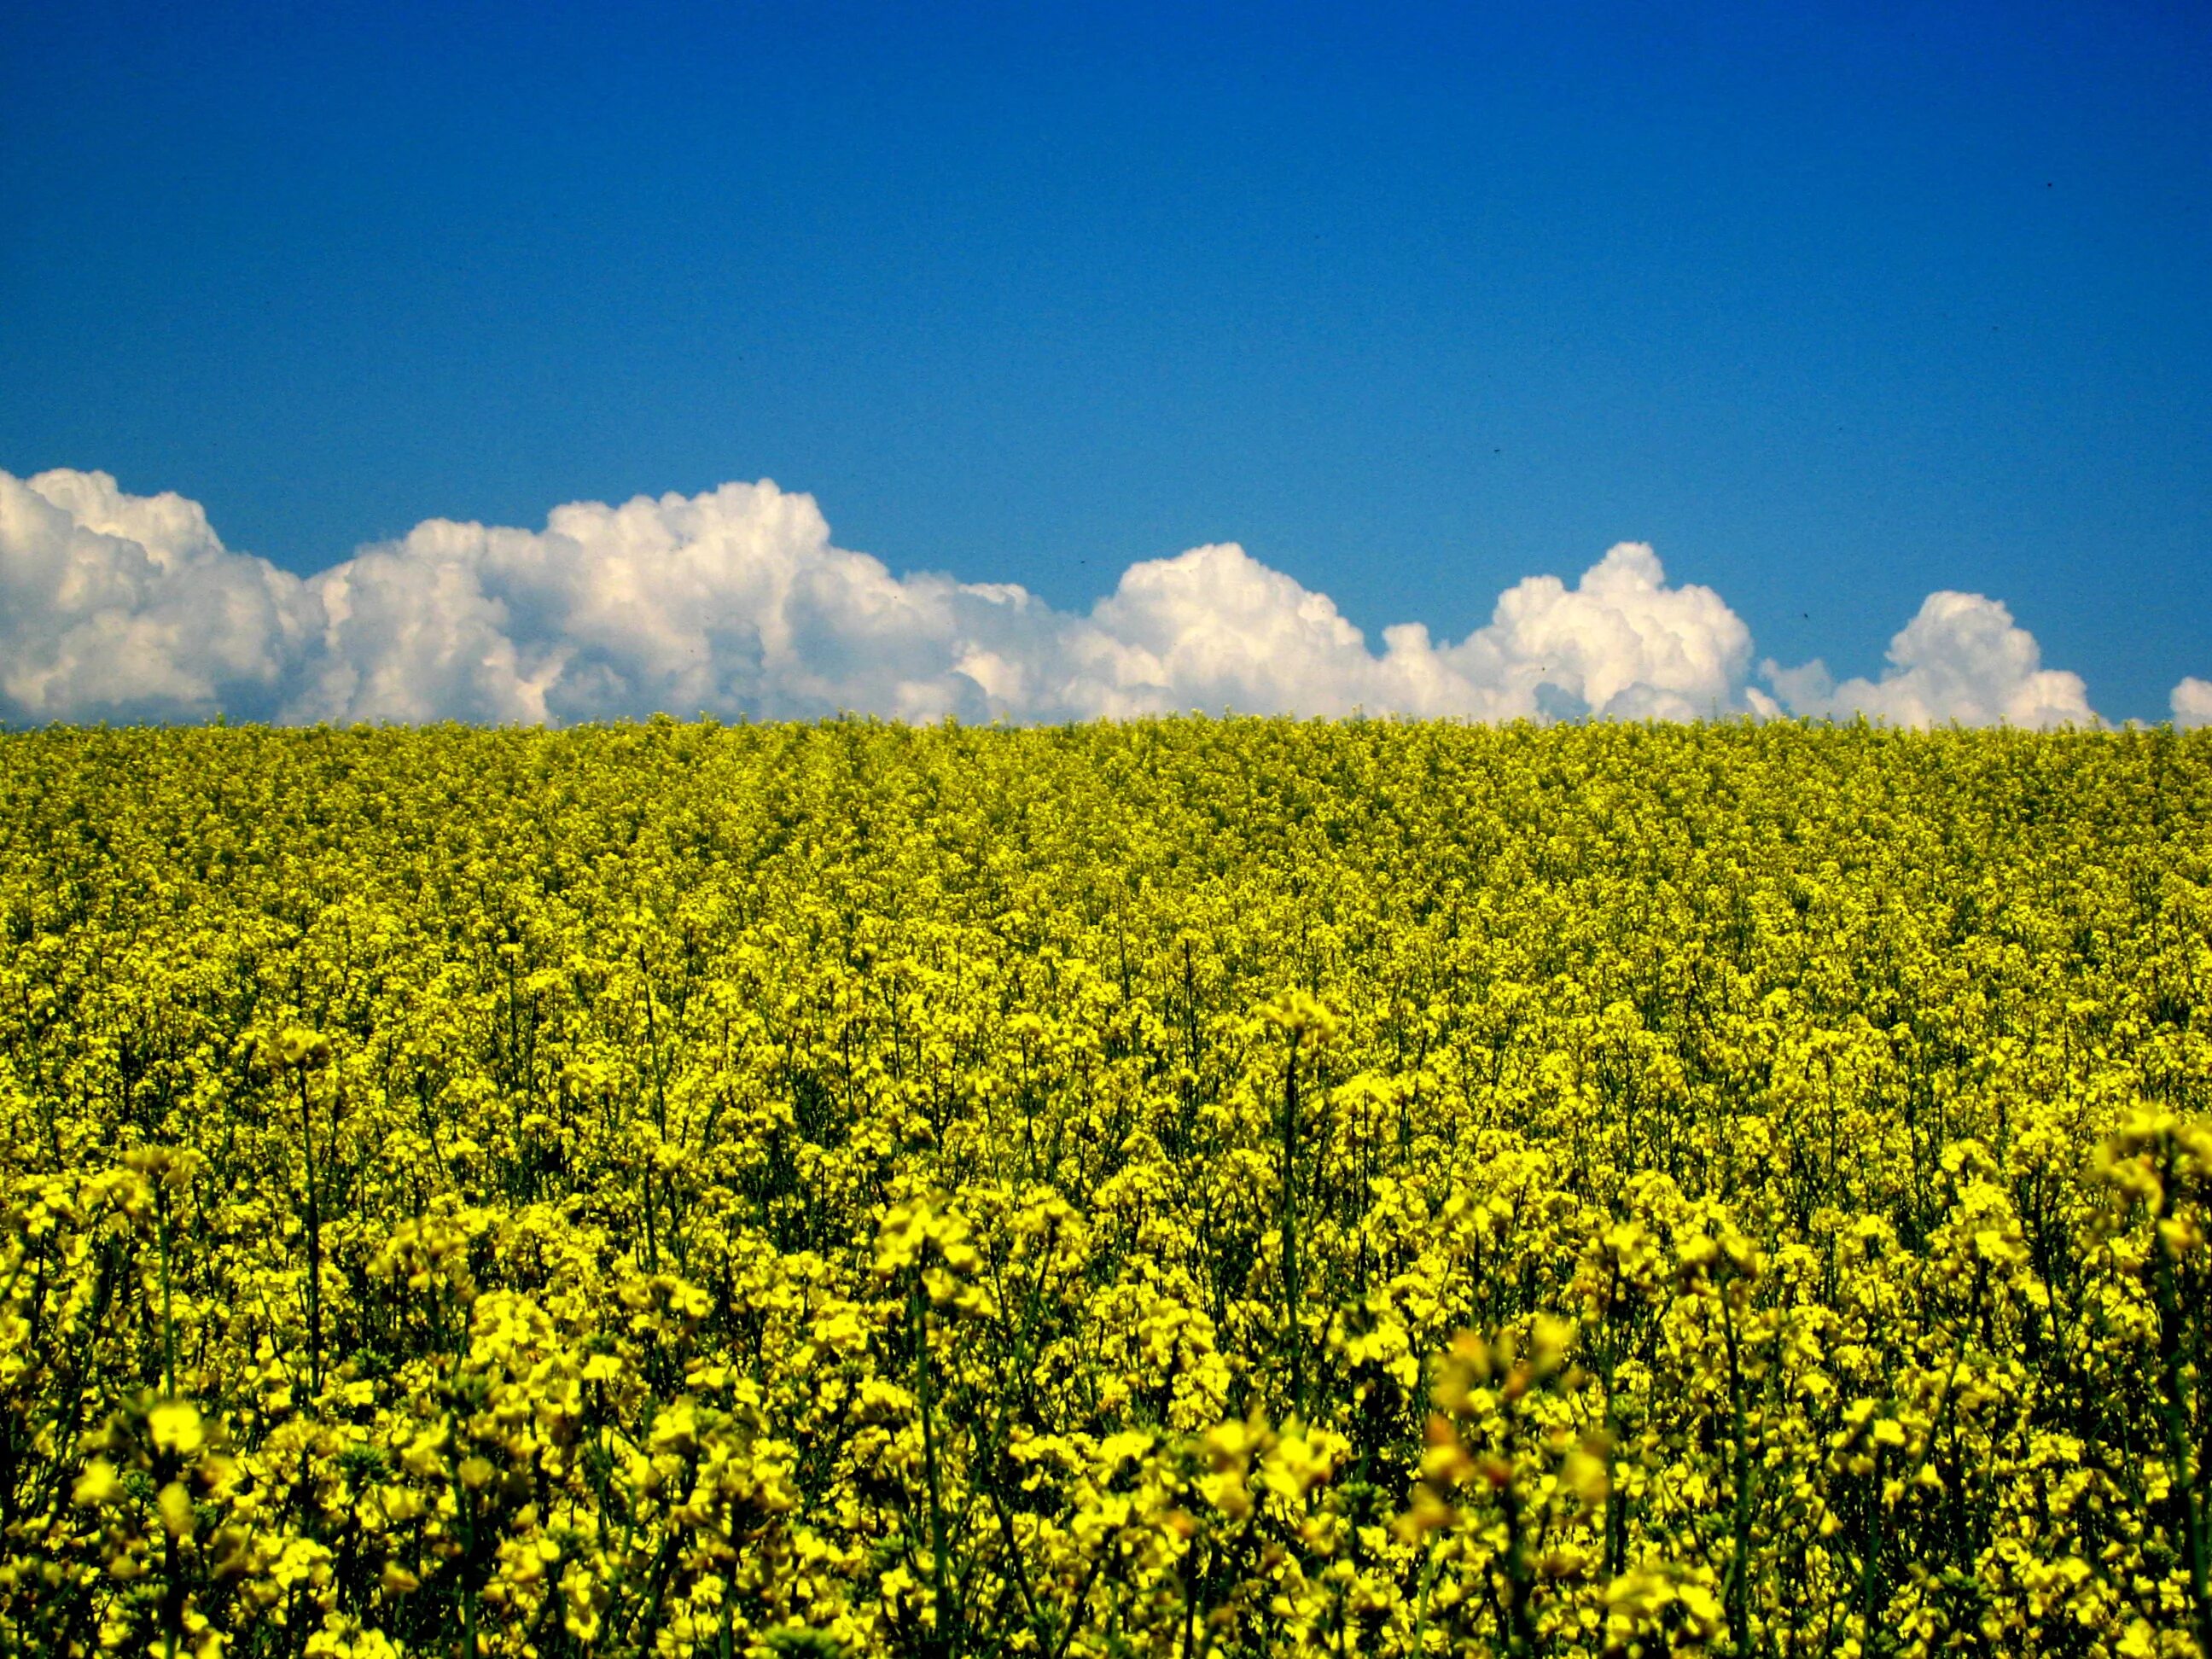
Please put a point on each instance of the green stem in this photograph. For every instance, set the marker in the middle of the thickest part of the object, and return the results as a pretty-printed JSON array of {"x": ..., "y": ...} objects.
[
  {"x": 1293, "y": 1290},
  {"x": 172, "y": 1605},
  {"x": 1871, "y": 1566},
  {"x": 1739, "y": 1577},
  {"x": 1421, "y": 1613},
  {"x": 465, "y": 1512},
  {"x": 168, "y": 1324},
  {"x": 918, "y": 1315},
  {"x": 314, "y": 1246},
  {"x": 2175, "y": 1419},
  {"x": 1520, "y": 1582}
]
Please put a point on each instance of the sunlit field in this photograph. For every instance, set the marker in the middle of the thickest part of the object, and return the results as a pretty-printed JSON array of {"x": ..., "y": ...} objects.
[{"x": 1193, "y": 1187}]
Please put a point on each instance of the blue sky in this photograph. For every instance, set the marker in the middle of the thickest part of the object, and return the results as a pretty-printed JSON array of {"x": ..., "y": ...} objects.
[{"x": 1834, "y": 305}]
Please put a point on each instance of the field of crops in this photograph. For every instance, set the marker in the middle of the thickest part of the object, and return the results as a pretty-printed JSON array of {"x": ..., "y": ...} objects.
[{"x": 1192, "y": 1187}]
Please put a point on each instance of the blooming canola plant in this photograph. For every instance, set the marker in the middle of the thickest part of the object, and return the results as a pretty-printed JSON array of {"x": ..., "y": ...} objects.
[{"x": 1183, "y": 1187}]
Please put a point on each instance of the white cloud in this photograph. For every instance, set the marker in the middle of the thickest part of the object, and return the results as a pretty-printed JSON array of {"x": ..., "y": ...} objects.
[
  {"x": 1962, "y": 658},
  {"x": 730, "y": 601},
  {"x": 736, "y": 601},
  {"x": 1621, "y": 641},
  {"x": 2192, "y": 703},
  {"x": 116, "y": 606},
  {"x": 1213, "y": 627}
]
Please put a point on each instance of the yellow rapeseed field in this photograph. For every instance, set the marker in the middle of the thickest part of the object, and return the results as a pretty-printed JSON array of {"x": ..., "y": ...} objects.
[{"x": 1192, "y": 1187}]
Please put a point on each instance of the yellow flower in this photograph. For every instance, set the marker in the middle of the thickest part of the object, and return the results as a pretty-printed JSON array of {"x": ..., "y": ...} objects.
[
  {"x": 175, "y": 1504},
  {"x": 175, "y": 1427},
  {"x": 1299, "y": 1014},
  {"x": 98, "y": 1484},
  {"x": 296, "y": 1046}
]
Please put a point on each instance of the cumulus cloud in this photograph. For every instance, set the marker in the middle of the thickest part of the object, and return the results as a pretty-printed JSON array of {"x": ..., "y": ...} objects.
[
  {"x": 1214, "y": 627},
  {"x": 737, "y": 602},
  {"x": 2192, "y": 703},
  {"x": 732, "y": 601},
  {"x": 1962, "y": 658},
  {"x": 122, "y": 607}
]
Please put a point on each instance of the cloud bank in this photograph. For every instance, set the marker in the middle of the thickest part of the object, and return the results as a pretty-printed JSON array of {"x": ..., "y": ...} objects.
[{"x": 736, "y": 602}]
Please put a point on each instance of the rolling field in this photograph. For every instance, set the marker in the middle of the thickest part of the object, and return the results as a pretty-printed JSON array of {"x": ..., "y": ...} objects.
[{"x": 1193, "y": 1187}]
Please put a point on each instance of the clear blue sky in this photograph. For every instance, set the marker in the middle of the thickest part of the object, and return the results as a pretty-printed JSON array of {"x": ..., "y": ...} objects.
[{"x": 1835, "y": 304}]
